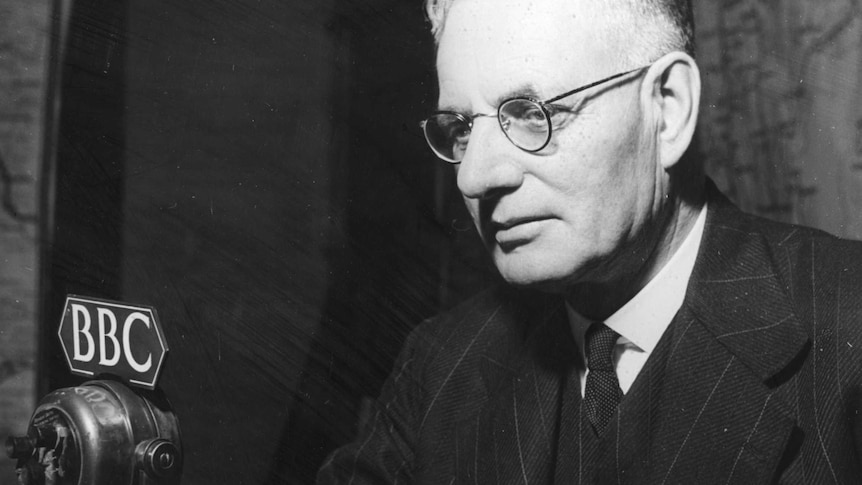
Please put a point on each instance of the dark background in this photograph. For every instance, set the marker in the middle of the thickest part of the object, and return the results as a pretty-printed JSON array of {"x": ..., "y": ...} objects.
[{"x": 254, "y": 170}]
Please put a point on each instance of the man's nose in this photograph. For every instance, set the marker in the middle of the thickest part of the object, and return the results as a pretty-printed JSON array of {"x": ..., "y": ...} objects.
[{"x": 488, "y": 167}]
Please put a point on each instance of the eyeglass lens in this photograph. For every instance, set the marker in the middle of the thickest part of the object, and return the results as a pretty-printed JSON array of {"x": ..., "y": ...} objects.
[
  {"x": 524, "y": 122},
  {"x": 447, "y": 134}
]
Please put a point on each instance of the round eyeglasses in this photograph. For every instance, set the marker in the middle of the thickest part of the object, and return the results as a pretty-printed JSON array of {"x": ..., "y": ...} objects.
[{"x": 525, "y": 121}]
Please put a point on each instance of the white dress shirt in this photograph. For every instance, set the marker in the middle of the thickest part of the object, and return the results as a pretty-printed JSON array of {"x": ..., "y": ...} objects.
[{"x": 642, "y": 321}]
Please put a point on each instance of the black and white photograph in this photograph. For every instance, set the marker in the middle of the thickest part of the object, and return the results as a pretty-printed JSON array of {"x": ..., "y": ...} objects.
[{"x": 380, "y": 242}]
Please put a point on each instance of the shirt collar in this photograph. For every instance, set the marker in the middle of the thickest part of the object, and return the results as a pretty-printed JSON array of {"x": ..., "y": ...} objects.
[{"x": 644, "y": 318}]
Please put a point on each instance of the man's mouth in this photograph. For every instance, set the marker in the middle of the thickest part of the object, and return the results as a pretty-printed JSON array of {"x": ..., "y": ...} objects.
[{"x": 513, "y": 232}]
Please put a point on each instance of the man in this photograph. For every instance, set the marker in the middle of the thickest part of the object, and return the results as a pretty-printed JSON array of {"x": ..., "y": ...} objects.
[{"x": 649, "y": 332}]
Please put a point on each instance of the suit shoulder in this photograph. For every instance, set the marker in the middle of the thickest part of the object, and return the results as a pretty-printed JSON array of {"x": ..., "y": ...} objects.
[
  {"x": 467, "y": 316},
  {"x": 467, "y": 326},
  {"x": 494, "y": 324},
  {"x": 791, "y": 239},
  {"x": 824, "y": 248},
  {"x": 823, "y": 273}
]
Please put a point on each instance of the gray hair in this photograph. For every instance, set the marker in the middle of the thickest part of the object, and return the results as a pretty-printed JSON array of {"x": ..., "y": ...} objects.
[{"x": 659, "y": 26}]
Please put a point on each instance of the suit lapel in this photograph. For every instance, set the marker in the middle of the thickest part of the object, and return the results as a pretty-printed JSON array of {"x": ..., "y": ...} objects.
[
  {"x": 513, "y": 438},
  {"x": 717, "y": 415},
  {"x": 696, "y": 415},
  {"x": 737, "y": 293},
  {"x": 707, "y": 407}
]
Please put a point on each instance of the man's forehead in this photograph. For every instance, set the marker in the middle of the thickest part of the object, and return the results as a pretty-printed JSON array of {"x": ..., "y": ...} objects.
[
  {"x": 499, "y": 47},
  {"x": 507, "y": 22}
]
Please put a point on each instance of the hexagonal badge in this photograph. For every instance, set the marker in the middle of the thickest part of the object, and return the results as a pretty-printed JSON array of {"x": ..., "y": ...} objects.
[{"x": 111, "y": 337}]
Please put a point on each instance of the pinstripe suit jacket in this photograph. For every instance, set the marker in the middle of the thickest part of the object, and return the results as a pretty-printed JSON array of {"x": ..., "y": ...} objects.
[{"x": 757, "y": 380}]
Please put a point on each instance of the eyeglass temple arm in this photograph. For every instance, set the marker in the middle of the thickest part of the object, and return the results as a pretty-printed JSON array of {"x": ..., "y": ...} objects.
[{"x": 594, "y": 84}]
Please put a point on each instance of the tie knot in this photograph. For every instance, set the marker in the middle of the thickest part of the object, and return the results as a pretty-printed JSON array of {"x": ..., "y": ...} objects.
[{"x": 600, "y": 347}]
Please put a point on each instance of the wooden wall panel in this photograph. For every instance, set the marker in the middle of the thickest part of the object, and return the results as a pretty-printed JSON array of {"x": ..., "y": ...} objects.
[
  {"x": 24, "y": 40},
  {"x": 782, "y": 112}
]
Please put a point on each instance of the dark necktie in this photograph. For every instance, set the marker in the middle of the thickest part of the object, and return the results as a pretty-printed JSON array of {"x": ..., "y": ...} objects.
[{"x": 603, "y": 393}]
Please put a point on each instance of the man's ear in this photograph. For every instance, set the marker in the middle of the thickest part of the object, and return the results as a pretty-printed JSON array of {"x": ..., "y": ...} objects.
[{"x": 672, "y": 88}]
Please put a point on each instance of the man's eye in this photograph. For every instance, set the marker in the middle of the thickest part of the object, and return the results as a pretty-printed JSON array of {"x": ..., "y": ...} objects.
[
  {"x": 459, "y": 144},
  {"x": 458, "y": 135},
  {"x": 533, "y": 114},
  {"x": 524, "y": 111},
  {"x": 528, "y": 117},
  {"x": 458, "y": 132}
]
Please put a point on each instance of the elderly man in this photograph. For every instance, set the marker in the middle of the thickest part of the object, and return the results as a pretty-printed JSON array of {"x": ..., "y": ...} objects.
[{"x": 649, "y": 332}]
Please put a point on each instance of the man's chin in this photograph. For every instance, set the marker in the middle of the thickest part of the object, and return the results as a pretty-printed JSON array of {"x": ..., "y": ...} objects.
[
  {"x": 533, "y": 275},
  {"x": 546, "y": 268}
]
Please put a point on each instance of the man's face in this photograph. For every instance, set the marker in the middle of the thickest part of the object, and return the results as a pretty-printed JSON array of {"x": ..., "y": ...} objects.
[{"x": 578, "y": 210}]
